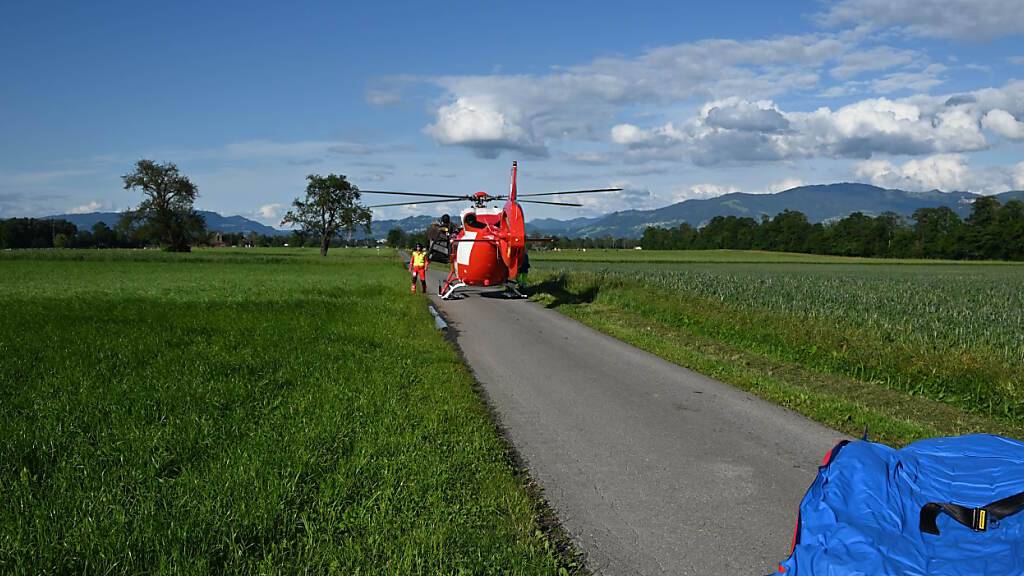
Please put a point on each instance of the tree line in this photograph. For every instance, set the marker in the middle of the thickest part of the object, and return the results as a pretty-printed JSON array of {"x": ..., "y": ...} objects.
[
  {"x": 55, "y": 233},
  {"x": 327, "y": 216},
  {"x": 19, "y": 233},
  {"x": 398, "y": 238},
  {"x": 992, "y": 231},
  {"x": 586, "y": 242}
]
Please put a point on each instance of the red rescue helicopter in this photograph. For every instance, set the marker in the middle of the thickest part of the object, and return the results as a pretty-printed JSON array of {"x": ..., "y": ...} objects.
[{"x": 489, "y": 244}]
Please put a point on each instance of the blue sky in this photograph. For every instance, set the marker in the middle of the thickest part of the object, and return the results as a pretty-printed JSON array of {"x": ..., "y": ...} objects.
[{"x": 670, "y": 100}]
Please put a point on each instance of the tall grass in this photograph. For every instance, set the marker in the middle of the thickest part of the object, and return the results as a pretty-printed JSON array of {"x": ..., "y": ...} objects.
[
  {"x": 211, "y": 412},
  {"x": 608, "y": 255}
]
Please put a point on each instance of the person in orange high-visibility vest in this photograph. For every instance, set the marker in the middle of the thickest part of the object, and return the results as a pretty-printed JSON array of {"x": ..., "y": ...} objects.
[{"x": 418, "y": 264}]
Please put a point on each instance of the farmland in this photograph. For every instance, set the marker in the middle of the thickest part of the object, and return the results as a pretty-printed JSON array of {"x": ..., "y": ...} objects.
[
  {"x": 244, "y": 411},
  {"x": 908, "y": 348}
]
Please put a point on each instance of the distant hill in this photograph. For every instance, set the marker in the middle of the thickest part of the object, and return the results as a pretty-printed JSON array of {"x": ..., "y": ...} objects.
[
  {"x": 380, "y": 228},
  {"x": 214, "y": 221},
  {"x": 239, "y": 224},
  {"x": 555, "y": 227},
  {"x": 243, "y": 225},
  {"x": 1011, "y": 195},
  {"x": 820, "y": 203}
]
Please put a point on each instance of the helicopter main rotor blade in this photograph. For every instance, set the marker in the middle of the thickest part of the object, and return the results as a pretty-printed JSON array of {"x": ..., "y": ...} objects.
[
  {"x": 460, "y": 196},
  {"x": 551, "y": 203},
  {"x": 574, "y": 192},
  {"x": 420, "y": 202}
]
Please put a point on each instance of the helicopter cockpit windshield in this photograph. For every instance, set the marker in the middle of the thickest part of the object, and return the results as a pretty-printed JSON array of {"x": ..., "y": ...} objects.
[{"x": 469, "y": 220}]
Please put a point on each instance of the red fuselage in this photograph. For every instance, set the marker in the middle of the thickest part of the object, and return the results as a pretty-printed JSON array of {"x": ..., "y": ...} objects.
[{"x": 478, "y": 260}]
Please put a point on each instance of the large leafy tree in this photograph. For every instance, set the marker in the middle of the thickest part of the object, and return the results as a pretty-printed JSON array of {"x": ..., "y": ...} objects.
[
  {"x": 331, "y": 206},
  {"x": 982, "y": 236},
  {"x": 1010, "y": 223},
  {"x": 938, "y": 233},
  {"x": 166, "y": 214},
  {"x": 396, "y": 237}
]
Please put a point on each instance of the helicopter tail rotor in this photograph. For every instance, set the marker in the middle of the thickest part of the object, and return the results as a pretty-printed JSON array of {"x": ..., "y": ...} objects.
[
  {"x": 512, "y": 190},
  {"x": 512, "y": 240}
]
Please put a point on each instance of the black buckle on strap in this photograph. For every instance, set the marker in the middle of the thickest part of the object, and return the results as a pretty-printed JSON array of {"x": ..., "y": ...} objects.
[{"x": 979, "y": 519}]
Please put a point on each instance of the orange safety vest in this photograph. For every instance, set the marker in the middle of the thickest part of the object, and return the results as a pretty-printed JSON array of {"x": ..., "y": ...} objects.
[{"x": 419, "y": 259}]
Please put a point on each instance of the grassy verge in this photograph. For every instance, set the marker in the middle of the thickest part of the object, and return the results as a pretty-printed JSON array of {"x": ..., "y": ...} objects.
[
  {"x": 268, "y": 412},
  {"x": 842, "y": 367}
]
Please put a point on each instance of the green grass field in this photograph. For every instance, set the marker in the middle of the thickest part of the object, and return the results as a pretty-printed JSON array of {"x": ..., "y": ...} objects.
[
  {"x": 909, "y": 348},
  {"x": 604, "y": 255},
  {"x": 244, "y": 411}
]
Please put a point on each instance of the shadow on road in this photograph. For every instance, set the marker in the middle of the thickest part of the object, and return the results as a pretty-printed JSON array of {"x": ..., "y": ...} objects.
[
  {"x": 555, "y": 292},
  {"x": 497, "y": 295}
]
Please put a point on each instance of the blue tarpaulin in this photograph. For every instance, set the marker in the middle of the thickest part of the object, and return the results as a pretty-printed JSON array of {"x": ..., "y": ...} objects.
[{"x": 862, "y": 514}]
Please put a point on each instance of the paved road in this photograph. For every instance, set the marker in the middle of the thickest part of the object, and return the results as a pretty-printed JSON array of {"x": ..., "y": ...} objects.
[{"x": 652, "y": 468}]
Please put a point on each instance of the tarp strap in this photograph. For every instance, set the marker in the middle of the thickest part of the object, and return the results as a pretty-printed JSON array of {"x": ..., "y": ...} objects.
[{"x": 977, "y": 519}]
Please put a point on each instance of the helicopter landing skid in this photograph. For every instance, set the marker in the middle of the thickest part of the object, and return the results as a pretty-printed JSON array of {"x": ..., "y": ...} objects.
[
  {"x": 512, "y": 291},
  {"x": 447, "y": 293}
]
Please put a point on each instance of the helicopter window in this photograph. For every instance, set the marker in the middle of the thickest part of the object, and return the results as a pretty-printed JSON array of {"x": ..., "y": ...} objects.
[{"x": 472, "y": 222}]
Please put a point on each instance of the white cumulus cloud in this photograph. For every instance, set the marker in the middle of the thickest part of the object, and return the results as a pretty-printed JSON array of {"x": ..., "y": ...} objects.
[
  {"x": 1018, "y": 176},
  {"x": 602, "y": 99},
  {"x": 1003, "y": 123},
  {"x": 784, "y": 184},
  {"x": 737, "y": 130},
  {"x": 631, "y": 135},
  {"x": 738, "y": 114},
  {"x": 481, "y": 124},
  {"x": 946, "y": 172},
  {"x": 93, "y": 206},
  {"x": 704, "y": 190},
  {"x": 491, "y": 113},
  {"x": 711, "y": 190},
  {"x": 270, "y": 211}
]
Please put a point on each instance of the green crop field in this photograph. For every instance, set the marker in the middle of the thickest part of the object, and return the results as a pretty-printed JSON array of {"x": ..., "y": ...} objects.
[
  {"x": 908, "y": 348},
  {"x": 244, "y": 411},
  {"x": 608, "y": 256}
]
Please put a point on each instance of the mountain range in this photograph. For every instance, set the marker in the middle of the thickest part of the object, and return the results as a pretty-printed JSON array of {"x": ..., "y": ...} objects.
[
  {"x": 821, "y": 203},
  {"x": 243, "y": 225},
  {"x": 214, "y": 221}
]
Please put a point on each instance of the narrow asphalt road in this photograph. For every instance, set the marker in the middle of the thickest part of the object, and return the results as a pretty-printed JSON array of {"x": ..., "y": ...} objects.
[{"x": 652, "y": 468}]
